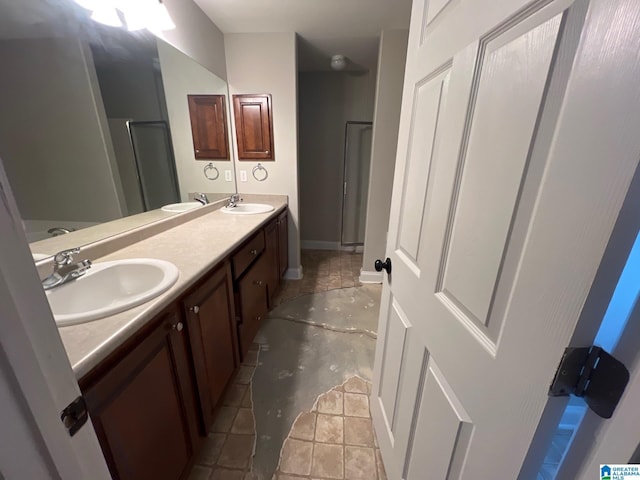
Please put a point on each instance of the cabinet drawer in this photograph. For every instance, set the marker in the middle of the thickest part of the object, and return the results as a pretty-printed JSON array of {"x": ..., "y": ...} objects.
[
  {"x": 247, "y": 254},
  {"x": 253, "y": 301}
]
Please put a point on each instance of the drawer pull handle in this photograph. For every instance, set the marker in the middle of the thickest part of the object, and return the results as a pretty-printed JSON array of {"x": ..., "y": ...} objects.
[
  {"x": 195, "y": 309},
  {"x": 254, "y": 252},
  {"x": 178, "y": 326},
  {"x": 258, "y": 283}
]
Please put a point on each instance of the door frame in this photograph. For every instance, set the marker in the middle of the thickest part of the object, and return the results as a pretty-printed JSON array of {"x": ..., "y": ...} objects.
[
  {"x": 43, "y": 382},
  {"x": 621, "y": 242}
]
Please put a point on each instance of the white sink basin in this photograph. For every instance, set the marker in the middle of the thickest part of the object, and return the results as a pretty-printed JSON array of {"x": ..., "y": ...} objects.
[
  {"x": 180, "y": 207},
  {"x": 248, "y": 209},
  {"x": 109, "y": 288}
]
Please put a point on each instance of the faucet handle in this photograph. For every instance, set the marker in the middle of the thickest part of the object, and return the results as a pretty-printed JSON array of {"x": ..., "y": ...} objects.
[{"x": 65, "y": 257}]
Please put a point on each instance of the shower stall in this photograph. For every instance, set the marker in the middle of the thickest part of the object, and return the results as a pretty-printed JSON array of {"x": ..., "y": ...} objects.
[{"x": 357, "y": 162}]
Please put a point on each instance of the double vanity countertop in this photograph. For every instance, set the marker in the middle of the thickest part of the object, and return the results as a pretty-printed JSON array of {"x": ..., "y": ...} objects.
[{"x": 195, "y": 247}]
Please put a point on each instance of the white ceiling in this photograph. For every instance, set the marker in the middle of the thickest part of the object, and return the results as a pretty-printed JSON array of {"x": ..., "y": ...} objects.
[{"x": 326, "y": 27}]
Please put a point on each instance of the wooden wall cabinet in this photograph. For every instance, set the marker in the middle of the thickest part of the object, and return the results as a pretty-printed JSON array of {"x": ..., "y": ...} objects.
[
  {"x": 254, "y": 127},
  {"x": 142, "y": 408},
  {"x": 210, "y": 315},
  {"x": 209, "y": 127}
]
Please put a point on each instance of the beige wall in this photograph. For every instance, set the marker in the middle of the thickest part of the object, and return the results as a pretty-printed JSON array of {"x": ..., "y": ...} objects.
[
  {"x": 327, "y": 101},
  {"x": 181, "y": 76},
  {"x": 391, "y": 62},
  {"x": 196, "y": 36},
  {"x": 266, "y": 63},
  {"x": 52, "y": 126}
]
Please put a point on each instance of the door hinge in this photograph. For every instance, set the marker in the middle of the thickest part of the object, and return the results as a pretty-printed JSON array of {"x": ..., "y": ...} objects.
[
  {"x": 75, "y": 415},
  {"x": 593, "y": 374}
]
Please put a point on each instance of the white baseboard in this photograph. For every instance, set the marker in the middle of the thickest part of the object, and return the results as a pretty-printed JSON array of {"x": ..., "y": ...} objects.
[
  {"x": 323, "y": 245},
  {"x": 293, "y": 273},
  {"x": 370, "y": 277}
]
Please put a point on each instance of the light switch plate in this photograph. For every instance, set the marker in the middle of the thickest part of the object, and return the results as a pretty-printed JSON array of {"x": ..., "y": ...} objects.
[
  {"x": 227, "y": 176},
  {"x": 243, "y": 175}
]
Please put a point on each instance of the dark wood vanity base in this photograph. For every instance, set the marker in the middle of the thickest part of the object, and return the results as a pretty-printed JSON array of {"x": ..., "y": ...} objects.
[{"x": 153, "y": 400}]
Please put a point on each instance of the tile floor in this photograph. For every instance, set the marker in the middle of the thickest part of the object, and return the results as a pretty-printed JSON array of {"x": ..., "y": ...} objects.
[
  {"x": 228, "y": 450},
  {"x": 323, "y": 270},
  {"x": 335, "y": 440}
]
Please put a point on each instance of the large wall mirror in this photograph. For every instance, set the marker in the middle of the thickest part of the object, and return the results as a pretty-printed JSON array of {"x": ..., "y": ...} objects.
[{"x": 95, "y": 128}]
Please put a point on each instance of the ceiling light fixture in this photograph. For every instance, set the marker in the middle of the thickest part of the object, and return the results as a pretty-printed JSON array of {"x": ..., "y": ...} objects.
[
  {"x": 163, "y": 20},
  {"x": 107, "y": 16},
  {"x": 138, "y": 14},
  {"x": 338, "y": 62}
]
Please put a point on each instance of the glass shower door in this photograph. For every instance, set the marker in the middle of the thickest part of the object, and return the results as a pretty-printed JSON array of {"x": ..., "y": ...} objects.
[
  {"x": 155, "y": 163},
  {"x": 357, "y": 162}
]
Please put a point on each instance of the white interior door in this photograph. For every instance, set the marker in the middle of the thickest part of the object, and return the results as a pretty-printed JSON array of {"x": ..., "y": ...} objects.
[
  {"x": 518, "y": 141},
  {"x": 36, "y": 379}
]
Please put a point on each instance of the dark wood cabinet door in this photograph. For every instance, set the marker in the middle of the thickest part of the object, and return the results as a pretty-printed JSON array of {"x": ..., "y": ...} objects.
[
  {"x": 209, "y": 127},
  {"x": 253, "y": 301},
  {"x": 283, "y": 242},
  {"x": 254, "y": 127},
  {"x": 141, "y": 410},
  {"x": 271, "y": 252},
  {"x": 211, "y": 325}
]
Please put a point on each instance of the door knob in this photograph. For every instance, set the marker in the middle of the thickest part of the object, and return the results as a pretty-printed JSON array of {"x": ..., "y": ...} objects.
[{"x": 379, "y": 265}]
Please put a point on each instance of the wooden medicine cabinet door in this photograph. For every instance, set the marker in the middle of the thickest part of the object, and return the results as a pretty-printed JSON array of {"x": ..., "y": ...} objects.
[
  {"x": 209, "y": 127},
  {"x": 254, "y": 127}
]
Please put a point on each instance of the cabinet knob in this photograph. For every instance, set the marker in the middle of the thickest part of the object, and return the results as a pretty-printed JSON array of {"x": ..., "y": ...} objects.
[
  {"x": 254, "y": 252},
  {"x": 267, "y": 152},
  {"x": 197, "y": 151},
  {"x": 258, "y": 283},
  {"x": 258, "y": 318},
  {"x": 195, "y": 309},
  {"x": 178, "y": 326}
]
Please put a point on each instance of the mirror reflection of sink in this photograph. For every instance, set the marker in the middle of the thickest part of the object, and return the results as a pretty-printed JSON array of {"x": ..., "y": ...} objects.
[
  {"x": 248, "y": 209},
  {"x": 109, "y": 288},
  {"x": 180, "y": 207}
]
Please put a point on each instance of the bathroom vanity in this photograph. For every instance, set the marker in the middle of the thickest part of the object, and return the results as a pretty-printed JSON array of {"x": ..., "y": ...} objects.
[{"x": 153, "y": 376}]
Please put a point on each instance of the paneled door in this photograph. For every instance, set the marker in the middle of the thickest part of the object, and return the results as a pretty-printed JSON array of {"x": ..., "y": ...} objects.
[{"x": 517, "y": 143}]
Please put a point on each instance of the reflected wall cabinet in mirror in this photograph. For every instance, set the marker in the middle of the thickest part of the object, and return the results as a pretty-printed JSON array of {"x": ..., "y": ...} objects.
[
  {"x": 209, "y": 127},
  {"x": 95, "y": 126},
  {"x": 254, "y": 127}
]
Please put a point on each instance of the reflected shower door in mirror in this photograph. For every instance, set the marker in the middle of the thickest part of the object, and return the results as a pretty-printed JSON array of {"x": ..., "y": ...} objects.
[{"x": 69, "y": 88}]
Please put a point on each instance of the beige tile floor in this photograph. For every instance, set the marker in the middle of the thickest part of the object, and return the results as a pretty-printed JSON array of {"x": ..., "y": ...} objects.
[
  {"x": 228, "y": 451},
  {"x": 323, "y": 270},
  {"x": 335, "y": 440}
]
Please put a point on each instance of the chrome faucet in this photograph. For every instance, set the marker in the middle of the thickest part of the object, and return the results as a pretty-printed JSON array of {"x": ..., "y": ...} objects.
[
  {"x": 233, "y": 200},
  {"x": 64, "y": 270},
  {"x": 201, "y": 197}
]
